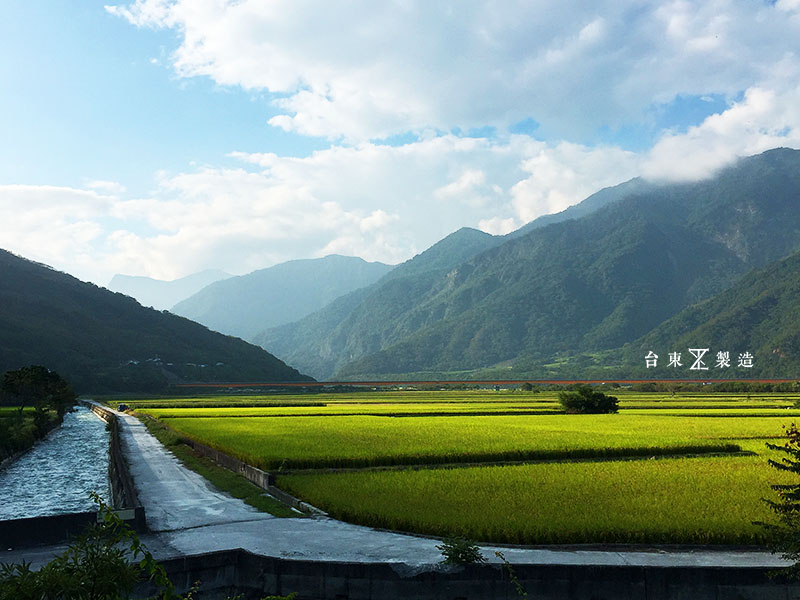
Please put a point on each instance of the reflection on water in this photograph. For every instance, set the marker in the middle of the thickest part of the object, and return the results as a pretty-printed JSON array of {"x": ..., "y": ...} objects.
[{"x": 56, "y": 476}]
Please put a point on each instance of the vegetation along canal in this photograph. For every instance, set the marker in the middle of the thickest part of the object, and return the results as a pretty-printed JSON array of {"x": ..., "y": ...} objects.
[{"x": 56, "y": 475}]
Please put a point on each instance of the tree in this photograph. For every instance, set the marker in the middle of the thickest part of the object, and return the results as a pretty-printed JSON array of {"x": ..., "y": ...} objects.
[
  {"x": 584, "y": 399},
  {"x": 38, "y": 386},
  {"x": 785, "y": 535}
]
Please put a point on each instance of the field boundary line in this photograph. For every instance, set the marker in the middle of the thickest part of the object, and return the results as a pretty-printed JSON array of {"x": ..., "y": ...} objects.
[{"x": 468, "y": 465}]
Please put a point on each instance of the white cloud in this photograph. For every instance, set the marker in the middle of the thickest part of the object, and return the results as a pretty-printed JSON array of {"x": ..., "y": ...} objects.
[
  {"x": 565, "y": 174},
  {"x": 54, "y": 225},
  {"x": 109, "y": 187},
  {"x": 366, "y": 70},
  {"x": 498, "y": 226},
  {"x": 763, "y": 119},
  {"x": 376, "y": 201}
]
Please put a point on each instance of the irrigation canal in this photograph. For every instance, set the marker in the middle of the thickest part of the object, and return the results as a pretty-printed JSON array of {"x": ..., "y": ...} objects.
[{"x": 57, "y": 474}]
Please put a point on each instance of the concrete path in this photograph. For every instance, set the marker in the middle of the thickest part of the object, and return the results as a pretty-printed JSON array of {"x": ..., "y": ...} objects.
[
  {"x": 188, "y": 516},
  {"x": 174, "y": 497}
]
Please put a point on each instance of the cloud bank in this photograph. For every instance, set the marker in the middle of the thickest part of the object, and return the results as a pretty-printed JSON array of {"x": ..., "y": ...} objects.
[{"x": 453, "y": 79}]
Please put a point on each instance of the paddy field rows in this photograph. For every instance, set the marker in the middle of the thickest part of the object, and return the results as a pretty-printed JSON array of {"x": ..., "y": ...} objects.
[{"x": 507, "y": 466}]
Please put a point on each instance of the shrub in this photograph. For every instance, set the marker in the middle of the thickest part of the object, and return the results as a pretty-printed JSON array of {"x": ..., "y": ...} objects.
[
  {"x": 585, "y": 400},
  {"x": 458, "y": 551}
]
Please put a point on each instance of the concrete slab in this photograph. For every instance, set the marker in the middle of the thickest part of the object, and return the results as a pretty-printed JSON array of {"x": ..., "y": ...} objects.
[{"x": 173, "y": 496}]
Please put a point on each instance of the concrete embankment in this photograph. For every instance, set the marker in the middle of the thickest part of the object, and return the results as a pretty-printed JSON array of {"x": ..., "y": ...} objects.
[{"x": 241, "y": 572}]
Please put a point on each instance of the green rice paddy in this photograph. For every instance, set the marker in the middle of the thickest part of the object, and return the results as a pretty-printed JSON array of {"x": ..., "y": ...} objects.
[{"x": 688, "y": 468}]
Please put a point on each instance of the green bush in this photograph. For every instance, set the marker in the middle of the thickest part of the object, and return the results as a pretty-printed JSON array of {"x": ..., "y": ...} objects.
[
  {"x": 586, "y": 400},
  {"x": 458, "y": 551}
]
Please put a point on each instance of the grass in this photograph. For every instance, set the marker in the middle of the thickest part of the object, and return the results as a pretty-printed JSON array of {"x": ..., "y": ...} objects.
[
  {"x": 690, "y": 501},
  {"x": 12, "y": 411},
  {"x": 359, "y": 441},
  {"x": 223, "y": 479}
]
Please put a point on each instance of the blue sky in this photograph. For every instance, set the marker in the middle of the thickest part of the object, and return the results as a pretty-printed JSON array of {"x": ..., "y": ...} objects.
[
  {"x": 162, "y": 137},
  {"x": 86, "y": 101}
]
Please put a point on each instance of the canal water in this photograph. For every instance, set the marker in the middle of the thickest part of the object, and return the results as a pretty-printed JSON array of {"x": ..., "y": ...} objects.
[{"x": 57, "y": 474}]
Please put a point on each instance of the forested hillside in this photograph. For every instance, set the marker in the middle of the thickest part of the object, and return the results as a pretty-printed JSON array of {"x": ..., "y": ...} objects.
[
  {"x": 353, "y": 324},
  {"x": 607, "y": 278},
  {"x": 104, "y": 341},
  {"x": 760, "y": 315},
  {"x": 580, "y": 285}
]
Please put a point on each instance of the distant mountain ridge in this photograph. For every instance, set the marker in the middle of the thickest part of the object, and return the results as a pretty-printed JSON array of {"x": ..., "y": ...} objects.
[
  {"x": 163, "y": 295},
  {"x": 103, "y": 341},
  {"x": 246, "y": 305},
  {"x": 639, "y": 256},
  {"x": 327, "y": 339}
]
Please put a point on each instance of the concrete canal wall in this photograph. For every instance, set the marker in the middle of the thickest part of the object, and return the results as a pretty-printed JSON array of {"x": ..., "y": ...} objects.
[
  {"x": 262, "y": 479},
  {"x": 238, "y": 571}
]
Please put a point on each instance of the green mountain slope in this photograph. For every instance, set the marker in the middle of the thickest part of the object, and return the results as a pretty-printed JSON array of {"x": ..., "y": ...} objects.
[
  {"x": 362, "y": 322},
  {"x": 104, "y": 341},
  {"x": 759, "y": 315},
  {"x": 596, "y": 201},
  {"x": 246, "y": 305},
  {"x": 595, "y": 282},
  {"x": 353, "y": 324}
]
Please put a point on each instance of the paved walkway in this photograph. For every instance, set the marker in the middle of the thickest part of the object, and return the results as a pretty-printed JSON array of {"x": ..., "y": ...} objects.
[{"x": 188, "y": 516}]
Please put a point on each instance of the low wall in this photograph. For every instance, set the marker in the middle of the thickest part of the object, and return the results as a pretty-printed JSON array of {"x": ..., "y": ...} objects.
[
  {"x": 262, "y": 479},
  {"x": 124, "y": 498},
  {"x": 232, "y": 572},
  {"x": 35, "y": 531}
]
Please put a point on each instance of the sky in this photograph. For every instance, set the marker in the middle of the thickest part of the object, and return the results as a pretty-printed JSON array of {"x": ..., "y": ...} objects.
[{"x": 164, "y": 137}]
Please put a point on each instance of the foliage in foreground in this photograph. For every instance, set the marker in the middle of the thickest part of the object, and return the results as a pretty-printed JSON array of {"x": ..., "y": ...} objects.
[
  {"x": 459, "y": 551},
  {"x": 784, "y": 535},
  {"x": 105, "y": 563}
]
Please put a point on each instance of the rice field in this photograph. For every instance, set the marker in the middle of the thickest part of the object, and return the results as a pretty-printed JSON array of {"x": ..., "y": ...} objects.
[
  {"x": 689, "y": 468},
  {"x": 690, "y": 500}
]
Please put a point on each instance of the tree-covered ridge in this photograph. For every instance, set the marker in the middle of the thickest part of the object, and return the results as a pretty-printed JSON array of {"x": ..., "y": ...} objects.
[
  {"x": 103, "y": 341},
  {"x": 759, "y": 315},
  {"x": 596, "y": 282},
  {"x": 357, "y": 323}
]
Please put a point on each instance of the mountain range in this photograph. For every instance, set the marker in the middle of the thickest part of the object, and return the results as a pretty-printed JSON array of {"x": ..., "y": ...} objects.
[
  {"x": 640, "y": 268},
  {"x": 246, "y": 305},
  {"x": 598, "y": 277},
  {"x": 103, "y": 341},
  {"x": 163, "y": 295}
]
